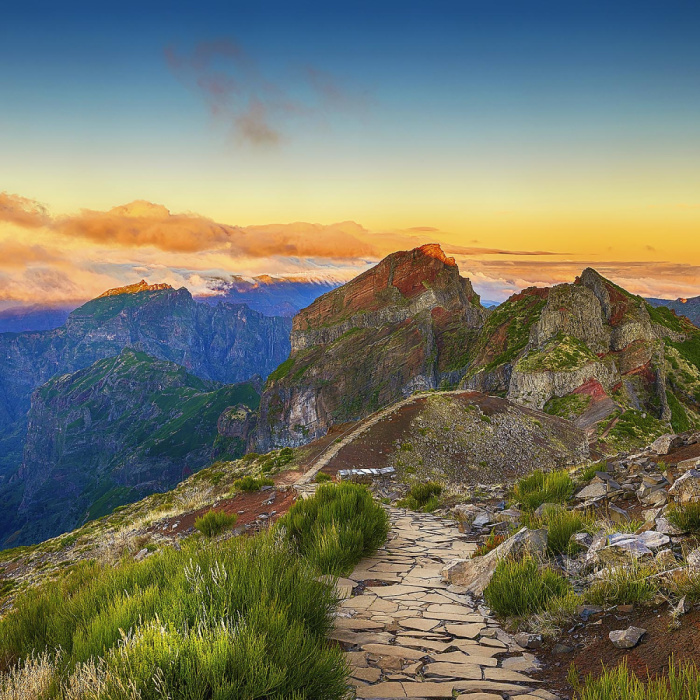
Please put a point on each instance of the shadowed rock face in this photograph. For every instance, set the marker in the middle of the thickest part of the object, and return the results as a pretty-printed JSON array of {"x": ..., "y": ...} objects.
[
  {"x": 114, "y": 432},
  {"x": 406, "y": 324},
  {"x": 225, "y": 343}
]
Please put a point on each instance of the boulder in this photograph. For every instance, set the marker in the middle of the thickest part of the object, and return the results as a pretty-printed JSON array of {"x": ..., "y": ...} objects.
[
  {"x": 662, "y": 445},
  {"x": 528, "y": 641},
  {"x": 596, "y": 490},
  {"x": 686, "y": 488},
  {"x": 686, "y": 464},
  {"x": 626, "y": 639},
  {"x": 693, "y": 561},
  {"x": 466, "y": 514},
  {"x": 475, "y": 574},
  {"x": 621, "y": 547}
]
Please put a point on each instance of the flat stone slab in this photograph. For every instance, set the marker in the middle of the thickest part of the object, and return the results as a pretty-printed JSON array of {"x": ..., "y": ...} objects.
[
  {"x": 392, "y": 650},
  {"x": 465, "y": 631},
  {"x": 461, "y": 671}
]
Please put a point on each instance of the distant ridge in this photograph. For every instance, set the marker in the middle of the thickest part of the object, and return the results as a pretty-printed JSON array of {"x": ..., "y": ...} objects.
[{"x": 141, "y": 286}]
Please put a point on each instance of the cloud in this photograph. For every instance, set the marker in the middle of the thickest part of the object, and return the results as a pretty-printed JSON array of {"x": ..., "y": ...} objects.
[
  {"x": 22, "y": 211},
  {"x": 257, "y": 107},
  {"x": 45, "y": 258}
]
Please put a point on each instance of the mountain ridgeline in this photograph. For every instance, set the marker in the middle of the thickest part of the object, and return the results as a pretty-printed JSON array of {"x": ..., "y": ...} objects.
[
  {"x": 406, "y": 324},
  {"x": 225, "y": 343},
  {"x": 587, "y": 351}
]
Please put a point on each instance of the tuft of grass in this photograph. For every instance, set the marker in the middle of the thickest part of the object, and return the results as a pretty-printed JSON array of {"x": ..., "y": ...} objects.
[
  {"x": 685, "y": 516},
  {"x": 249, "y": 483},
  {"x": 422, "y": 497},
  {"x": 522, "y": 587},
  {"x": 620, "y": 683},
  {"x": 561, "y": 525},
  {"x": 243, "y": 619},
  {"x": 214, "y": 522},
  {"x": 543, "y": 487},
  {"x": 336, "y": 527},
  {"x": 322, "y": 478},
  {"x": 624, "y": 585}
]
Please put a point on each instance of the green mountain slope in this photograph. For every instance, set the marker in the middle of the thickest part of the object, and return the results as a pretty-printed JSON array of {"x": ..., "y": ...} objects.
[
  {"x": 124, "y": 427},
  {"x": 225, "y": 343}
]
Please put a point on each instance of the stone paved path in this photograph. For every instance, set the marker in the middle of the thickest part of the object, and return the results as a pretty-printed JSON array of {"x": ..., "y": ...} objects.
[{"x": 408, "y": 634}]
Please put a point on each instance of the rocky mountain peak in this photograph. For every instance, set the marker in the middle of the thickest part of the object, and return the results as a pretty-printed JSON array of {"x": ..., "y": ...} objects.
[{"x": 141, "y": 286}]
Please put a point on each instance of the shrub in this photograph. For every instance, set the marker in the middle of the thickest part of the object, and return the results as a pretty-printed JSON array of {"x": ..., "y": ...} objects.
[
  {"x": 244, "y": 619},
  {"x": 521, "y": 587},
  {"x": 685, "y": 516},
  {"x": 561, "y": 524},
  {"x": 681, "y": 683},
  {"x": 322, "y": 478},
  {"x": 215, "y": 521},
  {"x": 336, "y": 527},
  {"x": 624, "y": 585},
  {"x": 492, "y": 541},
  {"x": 544, "y": 487},
  {"x": 422, "y": 497},
  {"x": 249, "y": 483}
]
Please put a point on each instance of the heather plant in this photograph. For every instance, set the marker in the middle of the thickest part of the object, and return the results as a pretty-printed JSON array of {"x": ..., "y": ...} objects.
[
  {"x": 685, "y": 516},
  {"x": 336, "y": 527},
  {"x": 543, "y": 487},
  {"x": 422, "y": 497},
  {"x": 243, "y": 619},
  {"x": 620, "y": 683},
  {"x": 214, "y": 522},
  {"x": 249, "y": 483},
  {"x": 624, "y": 585},
  {"x": 522, "y": 587}
]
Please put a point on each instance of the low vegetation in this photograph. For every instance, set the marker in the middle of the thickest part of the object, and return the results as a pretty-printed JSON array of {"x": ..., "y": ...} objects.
[
  {"x": 336, "y": 528},
  {"x": 523, "y": 587},
  {"x": 543, "y": 487},
  {"x": 620, "y": 683},
  {"x": 249, "y": 483},
  {"x": 214, "y": 522},
  {"x": 624, "y": 585},
  {"x": 245, "y": 619},
  {"x": 422, "y": 497},
  {"x": 685, "y": 516},
  {"x": 561, "y": 525},
  {"x": 322, "y": 478}
]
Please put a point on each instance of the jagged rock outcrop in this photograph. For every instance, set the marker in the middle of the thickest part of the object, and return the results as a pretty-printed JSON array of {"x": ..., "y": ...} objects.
[
  {"x": 588, "y": 340},
  {"x": 114, "y": 432},
  {"x": 405, "y": 324},
  {"x": 225, "y": 343}
]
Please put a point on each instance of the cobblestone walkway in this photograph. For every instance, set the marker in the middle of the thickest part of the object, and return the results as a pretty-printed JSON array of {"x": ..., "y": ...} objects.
[{"x": 409, "y": 635}]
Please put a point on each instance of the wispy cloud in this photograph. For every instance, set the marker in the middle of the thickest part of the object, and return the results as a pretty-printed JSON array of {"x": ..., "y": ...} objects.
[{"x": 258, "y": 107}]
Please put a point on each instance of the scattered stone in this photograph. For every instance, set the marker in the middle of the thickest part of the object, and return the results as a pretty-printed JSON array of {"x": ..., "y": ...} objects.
[
  {"x": 662, "y": 445},
  {"x": 561, "y": 649},
  {"x": 626, "y": 639},
  {"x": 475, "y": 574},
  {"x": 528, "y": 641},
  {"x": 686, "y": 488}
]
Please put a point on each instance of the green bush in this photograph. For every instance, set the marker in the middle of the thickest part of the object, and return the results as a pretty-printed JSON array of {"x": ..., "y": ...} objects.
[
  {"x": 681, "y": 683},
  {"x": 215, "y": 521},
  {"x": 522, "y": 587},
  {"x": 561, "y": 524},
  {"x": 249, "y": 483},
  {"x": 336, "y": 527},
  {"x": 423, "y": 497},
  {"x": 624, "y": 585},
  {"x": 543, "y": 487},
  {"x": 245, "y": 619},
  {"x": 322, "y": 478},
  {"x": 685, "y": 516}
]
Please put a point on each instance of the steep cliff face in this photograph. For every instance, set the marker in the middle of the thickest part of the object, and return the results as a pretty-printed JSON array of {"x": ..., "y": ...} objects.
[
  {"x": 587, "y": 340},
  {"x": 406, "y": 324},
  {"x": 225, "y": 343},
  {"x": 112, "y": 433}
]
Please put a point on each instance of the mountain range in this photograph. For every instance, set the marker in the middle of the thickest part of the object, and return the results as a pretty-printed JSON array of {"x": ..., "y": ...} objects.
[
  {"x": 690, "y": 308},
  {"x": 143, "y": 384}
]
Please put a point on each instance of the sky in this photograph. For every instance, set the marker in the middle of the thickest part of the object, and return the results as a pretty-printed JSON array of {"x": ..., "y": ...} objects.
[{"x": 184, "y": 142}]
